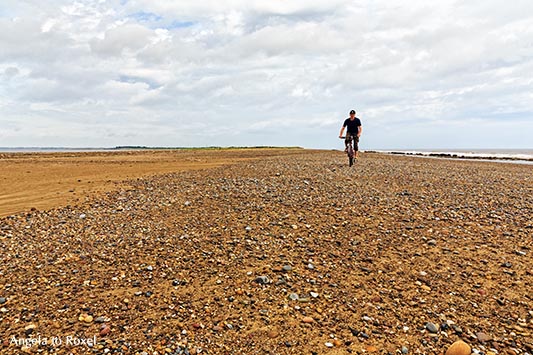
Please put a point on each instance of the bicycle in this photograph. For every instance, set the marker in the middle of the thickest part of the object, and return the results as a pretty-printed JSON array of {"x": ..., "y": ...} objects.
[{"x": 349, "y": 150}]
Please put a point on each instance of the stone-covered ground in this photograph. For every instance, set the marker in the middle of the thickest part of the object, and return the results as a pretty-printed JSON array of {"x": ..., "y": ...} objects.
[{"x": 297, "y": 254}]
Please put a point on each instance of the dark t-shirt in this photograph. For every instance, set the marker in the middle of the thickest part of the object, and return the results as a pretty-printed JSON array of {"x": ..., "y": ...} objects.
[{"x": 353, "y": 126}]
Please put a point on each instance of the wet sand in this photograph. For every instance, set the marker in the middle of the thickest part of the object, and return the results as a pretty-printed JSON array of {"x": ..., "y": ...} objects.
[{"x": 285, "y": 253}]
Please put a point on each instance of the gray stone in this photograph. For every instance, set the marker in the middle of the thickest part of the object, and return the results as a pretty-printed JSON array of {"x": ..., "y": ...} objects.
[
  {"x": 3, "y": 300},
  {"x": 262, "y": 280},
  {"x": 432, "y": 328},
  {"x": 294, "y": 296},
  {"x": 404, "y": 350},
  {"x": 287, "y": 268},
  {"x": 99, "y": 320}
]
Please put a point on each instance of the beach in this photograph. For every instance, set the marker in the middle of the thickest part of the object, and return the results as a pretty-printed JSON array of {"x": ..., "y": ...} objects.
[{"x": 263, "y": 251}]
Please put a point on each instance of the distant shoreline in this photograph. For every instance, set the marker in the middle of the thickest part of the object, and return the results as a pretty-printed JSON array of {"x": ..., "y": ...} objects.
[{"x": 518, "y": 158}]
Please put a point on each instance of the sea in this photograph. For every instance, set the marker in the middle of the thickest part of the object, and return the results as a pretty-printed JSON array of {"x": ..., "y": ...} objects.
[{"x": 517, "y": 156}]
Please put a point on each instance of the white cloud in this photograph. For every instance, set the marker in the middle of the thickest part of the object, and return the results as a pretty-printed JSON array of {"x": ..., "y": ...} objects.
[{"x": 278, "y": 72}]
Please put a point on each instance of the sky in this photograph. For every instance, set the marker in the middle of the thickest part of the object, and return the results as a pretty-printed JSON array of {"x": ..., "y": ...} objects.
[{"x": 420, "y": 74}]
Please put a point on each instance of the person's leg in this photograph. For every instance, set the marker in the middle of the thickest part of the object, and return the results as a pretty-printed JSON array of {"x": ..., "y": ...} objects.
[
  {"x": 346, "y": 141},
  {"x": 356, "y": 146}
]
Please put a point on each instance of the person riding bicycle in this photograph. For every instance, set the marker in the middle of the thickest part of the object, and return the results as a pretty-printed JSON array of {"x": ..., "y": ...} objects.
[{"x": 353, "y": 133}]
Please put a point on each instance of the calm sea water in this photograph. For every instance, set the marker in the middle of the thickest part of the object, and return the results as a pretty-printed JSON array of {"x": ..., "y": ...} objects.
[{"x": 499, "y": 155}]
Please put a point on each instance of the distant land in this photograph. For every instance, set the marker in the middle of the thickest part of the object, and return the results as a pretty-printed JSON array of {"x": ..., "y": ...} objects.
[{"x": 129, "y": 147}]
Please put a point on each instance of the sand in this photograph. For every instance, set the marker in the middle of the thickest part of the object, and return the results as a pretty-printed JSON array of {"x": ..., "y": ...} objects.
[
  {"x": 285, "y": 253},
  {"x": 47, "y": 180}
]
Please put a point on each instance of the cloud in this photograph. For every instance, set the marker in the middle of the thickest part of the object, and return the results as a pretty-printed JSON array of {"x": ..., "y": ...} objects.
[{"x": 254, "y": 72}]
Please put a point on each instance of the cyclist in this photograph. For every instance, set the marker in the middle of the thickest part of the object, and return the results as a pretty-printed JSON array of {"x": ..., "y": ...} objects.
[{"x": 353, "y": 133}]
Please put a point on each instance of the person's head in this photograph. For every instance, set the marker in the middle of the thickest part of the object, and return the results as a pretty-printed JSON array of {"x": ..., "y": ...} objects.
[{"x": 352, "y": 113}]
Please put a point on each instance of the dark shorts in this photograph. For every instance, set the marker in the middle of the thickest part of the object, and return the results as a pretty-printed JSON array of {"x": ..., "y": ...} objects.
[{"x": 355, "y": 139}]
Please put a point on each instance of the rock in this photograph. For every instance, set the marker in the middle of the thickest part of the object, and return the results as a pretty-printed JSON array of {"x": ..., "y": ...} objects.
[
  {"x": 178, "y": 282},
  {"x": 432, "y": 242},
  {"x": 459, "y": 348},
  {"x": 150, "y": 268},
  {"x": 99, "y": 320},
  {"x": 273, "y": 334},
  {"x": 307, "y": 320},
  {"x": 507, "y": 265},
  {"x": 287, "y": 268},
  {"x": 293, "y": 296},
  {"x": 262, "y": 280},
  {"x": 405, "y": 350},
  {"x": 432, "y": 328},
  {"x": 482, "y": 337},
  {"x": 106, "y": 329},
  {"x": 3, "y": 300},
  {"x": 29, "y": 329},
  {"x": 371, "y": 349},
  {"x": 328, "y": 345},
  {"x": 83, "y": 216},
  {"x": 85, "y": 318},
  {"x": 313, "y": 294},
  {"x": 248, "y": 228}
]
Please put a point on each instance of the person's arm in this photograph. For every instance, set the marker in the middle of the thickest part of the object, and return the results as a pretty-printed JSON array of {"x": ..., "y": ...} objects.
[
  {"x": 342, "y": 131},
  {"x": 360, "y": 131}
]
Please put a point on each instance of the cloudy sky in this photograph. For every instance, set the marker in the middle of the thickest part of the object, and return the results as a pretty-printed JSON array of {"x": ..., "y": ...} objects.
[{"x": 421, "y": 74}]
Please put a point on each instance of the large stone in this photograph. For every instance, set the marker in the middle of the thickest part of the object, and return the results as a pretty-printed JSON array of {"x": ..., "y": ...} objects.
[{"x": 459, "y": 348}]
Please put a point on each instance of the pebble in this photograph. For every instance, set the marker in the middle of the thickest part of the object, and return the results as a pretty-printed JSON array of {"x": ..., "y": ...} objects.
[
  {"x": 293, "y": 296},
  {"x": 177, "y": 282},
  {"x": 405, "y": 350},
  {"x": 432, "y": 242},
  {"x": 432, "y": 328},
  {"x": 371, "y": 349},
  {"x": 483, "y": 337},
  {"x": 329, "y": 345},
  {"x": 308, "y": 320},
  {"x": 3, "y": 300},
  {"x": 262, "y": 280},
  {"x": 29, "y": 329},
  {"x": 287, "y": 268},
  {"x": 313, "y": 294},
  {"x": 459, "y": 348},
  {"x": 85, "y": 318},
  {"x": 507, "y": 265},
  {"x": 105, "y": 330},
  {"x": 99, "y": 320}
]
